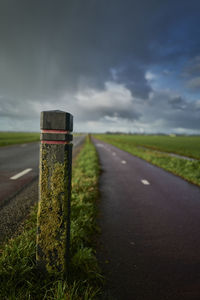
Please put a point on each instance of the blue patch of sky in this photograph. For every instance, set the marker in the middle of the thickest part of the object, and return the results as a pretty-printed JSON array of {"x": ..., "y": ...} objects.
[
  {"x": 182, "y": 43},
  {"x": 168, "y": 77},
  {"x": 185, "y": 35}
]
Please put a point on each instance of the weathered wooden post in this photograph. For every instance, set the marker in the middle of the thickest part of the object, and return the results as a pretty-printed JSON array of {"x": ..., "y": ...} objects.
[{"x": 53, "y": 232}]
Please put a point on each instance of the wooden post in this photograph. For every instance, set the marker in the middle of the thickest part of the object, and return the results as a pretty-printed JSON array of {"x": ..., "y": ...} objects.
[{"x": 53, "y": 223}]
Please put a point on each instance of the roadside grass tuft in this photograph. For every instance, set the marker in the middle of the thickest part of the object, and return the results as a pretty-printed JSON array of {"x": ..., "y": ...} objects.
[{"x": 19, "y": 277}]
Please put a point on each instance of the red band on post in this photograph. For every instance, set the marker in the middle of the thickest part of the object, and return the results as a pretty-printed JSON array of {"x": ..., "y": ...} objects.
[
  {"x": 54, "y": 131},
  {"x": 55, "y": 142}
]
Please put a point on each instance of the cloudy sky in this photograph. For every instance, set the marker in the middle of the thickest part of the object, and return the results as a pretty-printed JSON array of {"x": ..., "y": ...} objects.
[{"x": 116, "y": 65}]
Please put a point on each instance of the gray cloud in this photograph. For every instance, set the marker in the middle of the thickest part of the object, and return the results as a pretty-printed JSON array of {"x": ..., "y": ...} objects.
[
  {"x": 191, "y": 74},
  {"x": 53, "y": 52},
  {"x": 192, "y": 68},
  {"x": 177, "y": 102},
  {"x": 194, "y": 83},
  {"x": 17, "y": 109},
  {"x": 133, "y": 76},
  {"x": 170, "y": 112},
  {"x": 48, "y": 47},
  {"x": 114, "y": 101}
]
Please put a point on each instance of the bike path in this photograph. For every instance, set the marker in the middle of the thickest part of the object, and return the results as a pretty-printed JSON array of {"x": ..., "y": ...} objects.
[{"x": 149, "y": 245}]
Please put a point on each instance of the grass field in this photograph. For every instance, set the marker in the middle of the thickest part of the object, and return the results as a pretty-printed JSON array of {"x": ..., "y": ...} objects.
[
  {"x": 12, "y": 138},
  {"x": 19, "y": 277},
  {"x": 183, "y": 145},
  {"x": 187, "y": 146}
]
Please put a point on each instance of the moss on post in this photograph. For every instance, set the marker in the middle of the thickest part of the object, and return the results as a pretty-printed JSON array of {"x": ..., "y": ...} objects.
[{"x": 53, "y": 232}]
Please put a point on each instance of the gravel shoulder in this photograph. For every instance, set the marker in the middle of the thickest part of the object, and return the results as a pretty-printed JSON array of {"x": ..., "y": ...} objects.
[{"x": 16, "y": 210}]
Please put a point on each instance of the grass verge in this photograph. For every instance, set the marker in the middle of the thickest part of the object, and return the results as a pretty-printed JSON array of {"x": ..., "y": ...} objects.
[
  {"x": 12, "y": 138},
  {"x": 182, "y": 145},
  {"x": 189, "y": 170},
  {"x": 19, "y": 277}
]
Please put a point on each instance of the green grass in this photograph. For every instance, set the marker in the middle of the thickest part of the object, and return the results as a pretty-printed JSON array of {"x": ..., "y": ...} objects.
[
  {"x": 19, "y": 277},
  {"x": 183, "y": 145},
  {"x": 12, "y": 138},
  {"x": 189, "y": 170}
]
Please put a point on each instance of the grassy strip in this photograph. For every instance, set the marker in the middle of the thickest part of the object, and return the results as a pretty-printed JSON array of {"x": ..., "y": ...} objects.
[
  {"x": 182, "y": 145},
  {"x": 12, "y": 138},
  {"x": 189, "y": 170},
  {"x": 19, "y": 278}
]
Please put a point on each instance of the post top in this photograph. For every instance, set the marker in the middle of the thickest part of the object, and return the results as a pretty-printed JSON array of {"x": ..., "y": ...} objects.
[{"x": 56, "y": 120}]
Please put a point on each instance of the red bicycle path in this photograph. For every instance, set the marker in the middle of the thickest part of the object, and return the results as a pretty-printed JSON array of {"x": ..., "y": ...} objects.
[{"x": 149, "y": 246}]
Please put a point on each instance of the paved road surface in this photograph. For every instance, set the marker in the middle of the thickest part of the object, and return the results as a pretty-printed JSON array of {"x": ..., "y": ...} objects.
[
  {"x": 150, "y": 220},
  {"x": 16, "y": 159}
]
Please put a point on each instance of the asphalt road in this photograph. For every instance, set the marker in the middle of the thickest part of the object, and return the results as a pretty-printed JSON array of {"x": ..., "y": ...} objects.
[
  {"x": 16, "y": 159},
  {"x": 150, "y": 220}
]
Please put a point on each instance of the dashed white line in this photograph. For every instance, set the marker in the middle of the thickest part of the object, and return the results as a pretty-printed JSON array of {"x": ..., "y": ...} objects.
[
  {"x": 123, "y": 162},
  {"x": 145, "y": 182},
  {"x": 20, "y": 174},
  {"x": 100, "y": 145}
]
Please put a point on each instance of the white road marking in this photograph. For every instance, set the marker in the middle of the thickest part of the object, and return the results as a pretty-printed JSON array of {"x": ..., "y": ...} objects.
[
  {"x": 20, "y": 174},
  {"x": 103, "y": 146},
  {"x": 123, "y": 162},
  {"x": 100, "y": 145},
  {"x": 145, "y": 182}
]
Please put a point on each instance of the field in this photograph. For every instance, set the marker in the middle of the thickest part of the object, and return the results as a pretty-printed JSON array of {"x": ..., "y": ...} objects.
[
  {"x": 12, "y": 138},
  {"x": 182, "y": 145}
]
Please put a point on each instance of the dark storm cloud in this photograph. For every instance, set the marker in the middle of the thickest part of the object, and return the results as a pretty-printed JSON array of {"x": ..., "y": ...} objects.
[
  {"x": 52, "y": 48},
  {"x": 14, "y": 108},
  {"x": 177, "y": 102},
  {"x": 191, "y": 74},
  {"x": 192, "y": 67},
  {"x": 133, "y": 76},
  {"x": 48, "y": 46}
]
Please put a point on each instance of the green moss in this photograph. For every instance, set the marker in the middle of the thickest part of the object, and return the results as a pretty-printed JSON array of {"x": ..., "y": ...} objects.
[{"x": 52, "y": 211}]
